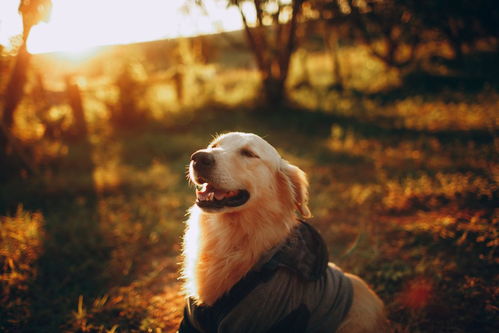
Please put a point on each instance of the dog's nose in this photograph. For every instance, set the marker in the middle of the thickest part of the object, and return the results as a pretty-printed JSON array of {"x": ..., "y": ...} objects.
[{"x": 202, "y": 160}]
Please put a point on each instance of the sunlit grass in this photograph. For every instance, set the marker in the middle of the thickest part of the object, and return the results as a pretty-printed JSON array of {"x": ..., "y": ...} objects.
[
  {"x": 21, "y": 242},
  {"x": 439, "y": 188},
  {"x": 478, "y": 114},
  {"x": 403, "y": 188},
  {"x": 358, "y": 202}
]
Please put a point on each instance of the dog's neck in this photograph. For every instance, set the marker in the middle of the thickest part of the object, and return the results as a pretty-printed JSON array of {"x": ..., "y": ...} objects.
[{"x": 220, "y": 249}]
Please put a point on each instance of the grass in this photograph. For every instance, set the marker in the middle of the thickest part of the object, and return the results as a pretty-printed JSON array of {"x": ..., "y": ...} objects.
[{"x": 404, "y": 190}]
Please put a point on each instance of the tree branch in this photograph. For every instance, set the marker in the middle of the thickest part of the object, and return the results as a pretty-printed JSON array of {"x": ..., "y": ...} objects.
[
  {"x": 260, "y": 60},
  {"x": 291, "y": 40}
]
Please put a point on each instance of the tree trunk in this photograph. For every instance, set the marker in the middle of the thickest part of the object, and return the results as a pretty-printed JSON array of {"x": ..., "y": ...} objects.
[
  {"x": 454, "y": 32},
  {"x": 332, "y": 41},
  {"x": 272, "y": 60},
  {"x": 273, "y": 90},
  {"x": 10, "y": 158},
  {"x": 15, "y": 86},
  {"x": 75, "y": 101}
]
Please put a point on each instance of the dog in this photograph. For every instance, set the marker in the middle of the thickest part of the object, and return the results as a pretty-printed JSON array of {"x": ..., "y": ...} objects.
[{"x": 250, "y": 261}]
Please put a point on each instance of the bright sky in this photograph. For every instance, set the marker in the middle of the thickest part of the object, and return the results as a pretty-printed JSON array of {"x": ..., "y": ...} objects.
[{"x": 81, "y": 24}]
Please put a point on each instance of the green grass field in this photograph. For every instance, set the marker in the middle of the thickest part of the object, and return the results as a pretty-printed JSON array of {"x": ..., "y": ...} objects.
[{"x": 403, "y": 188}]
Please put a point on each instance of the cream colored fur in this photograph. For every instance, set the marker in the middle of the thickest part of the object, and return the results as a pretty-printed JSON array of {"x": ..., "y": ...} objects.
[
  {"x": 367, "y": 314},
  {"x": 221, "y": 247}
]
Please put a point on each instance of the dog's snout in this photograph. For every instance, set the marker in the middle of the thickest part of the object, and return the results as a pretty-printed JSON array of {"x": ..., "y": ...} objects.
[{"x": 202, "y": 160}]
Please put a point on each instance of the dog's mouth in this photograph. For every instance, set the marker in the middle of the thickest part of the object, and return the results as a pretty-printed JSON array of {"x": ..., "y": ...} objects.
[{"x": 210, "y": 197}]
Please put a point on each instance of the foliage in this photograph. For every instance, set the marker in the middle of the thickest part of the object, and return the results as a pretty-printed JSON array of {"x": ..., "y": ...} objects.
[
  {"x": 394, "y": 208},
  {"x": 32, "y": 12},
  {"x": 127, "y": 112},
  {"x": 21, "y": 239},
  {"x": 402, "y": 165}
]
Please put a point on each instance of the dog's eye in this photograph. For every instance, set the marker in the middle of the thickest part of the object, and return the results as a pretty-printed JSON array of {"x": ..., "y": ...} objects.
[{"x": 248, "y": 153}]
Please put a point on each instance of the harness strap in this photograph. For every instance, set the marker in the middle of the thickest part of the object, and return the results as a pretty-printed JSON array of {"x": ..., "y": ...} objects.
[{"x": 303, "y": 252}]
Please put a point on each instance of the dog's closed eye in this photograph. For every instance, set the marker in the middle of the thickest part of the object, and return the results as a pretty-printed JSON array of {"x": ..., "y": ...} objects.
[{"x": 248, "y": 153}]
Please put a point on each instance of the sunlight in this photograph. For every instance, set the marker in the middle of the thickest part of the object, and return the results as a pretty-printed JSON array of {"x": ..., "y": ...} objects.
[
  {"x": 76, "y": 26},
  {"x": 10, "y": 25},
  {"x": 77, "y": 55},
  {"x": 79, "y": 25}
]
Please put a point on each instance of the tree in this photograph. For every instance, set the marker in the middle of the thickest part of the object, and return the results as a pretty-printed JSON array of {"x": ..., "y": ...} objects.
[
  {"x": 391, "y": 22},
  {"x": 272, "y": 39},
  {"x": 333, "y": 17},
  {"x": 32, "y": 12},
  {"x": 128, "y": 112},
  {"x": 402, "y": 22},
  {"x": 461, "y": 22}
]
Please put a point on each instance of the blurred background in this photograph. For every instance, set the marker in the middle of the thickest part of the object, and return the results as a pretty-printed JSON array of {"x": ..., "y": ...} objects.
[{"x": 391, "y": 107}]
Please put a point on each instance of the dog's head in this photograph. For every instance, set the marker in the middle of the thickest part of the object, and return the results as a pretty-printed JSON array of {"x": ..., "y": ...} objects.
[{"x": 239, "y": 171}]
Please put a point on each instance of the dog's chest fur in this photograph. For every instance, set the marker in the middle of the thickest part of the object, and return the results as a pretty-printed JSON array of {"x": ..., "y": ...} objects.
[{"x": 220, "y": 250}]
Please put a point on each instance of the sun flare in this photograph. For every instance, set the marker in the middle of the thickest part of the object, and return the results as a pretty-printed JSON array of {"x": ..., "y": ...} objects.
[{"x": 79, "y": 25}]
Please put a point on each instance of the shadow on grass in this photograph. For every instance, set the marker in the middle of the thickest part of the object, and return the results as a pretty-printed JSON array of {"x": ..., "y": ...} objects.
[
  {"x": 476, "y": 72},
  {"x": 78, "y": 257},
  {"x": 75, "y": 251},
  {"x": 296, "y": 132},
  {"x": 317, "y": 125}
]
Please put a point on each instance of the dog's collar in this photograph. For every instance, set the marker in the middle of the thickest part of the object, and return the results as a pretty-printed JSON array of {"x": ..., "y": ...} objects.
[{"x": 303, "y": 252}]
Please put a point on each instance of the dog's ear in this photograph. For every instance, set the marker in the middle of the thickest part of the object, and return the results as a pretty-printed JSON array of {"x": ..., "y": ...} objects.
[{"x": 299, "y": 186}]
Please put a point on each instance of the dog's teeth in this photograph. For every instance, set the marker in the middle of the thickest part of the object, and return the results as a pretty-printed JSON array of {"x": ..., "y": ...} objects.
[{"x": 211, "y": 195}]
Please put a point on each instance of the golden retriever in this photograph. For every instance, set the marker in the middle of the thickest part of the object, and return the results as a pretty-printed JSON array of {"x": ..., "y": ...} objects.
[{"x": 249, "y": 201}]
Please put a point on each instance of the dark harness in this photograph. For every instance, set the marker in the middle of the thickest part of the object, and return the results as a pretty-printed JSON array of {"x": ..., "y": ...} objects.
[{"x": 298, "y": 266}]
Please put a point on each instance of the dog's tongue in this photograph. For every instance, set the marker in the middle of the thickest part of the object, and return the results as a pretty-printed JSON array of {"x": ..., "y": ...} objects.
[
  {"x": 219, "y": 195},
  {"x": 208, "y": 192}
]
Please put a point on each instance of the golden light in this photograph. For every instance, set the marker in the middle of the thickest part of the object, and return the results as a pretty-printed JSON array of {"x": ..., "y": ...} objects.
[
  {"x": 10, "y": 22},
  {"x": 77, "y": 55},
  {"x": 77, "y": 25}
]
